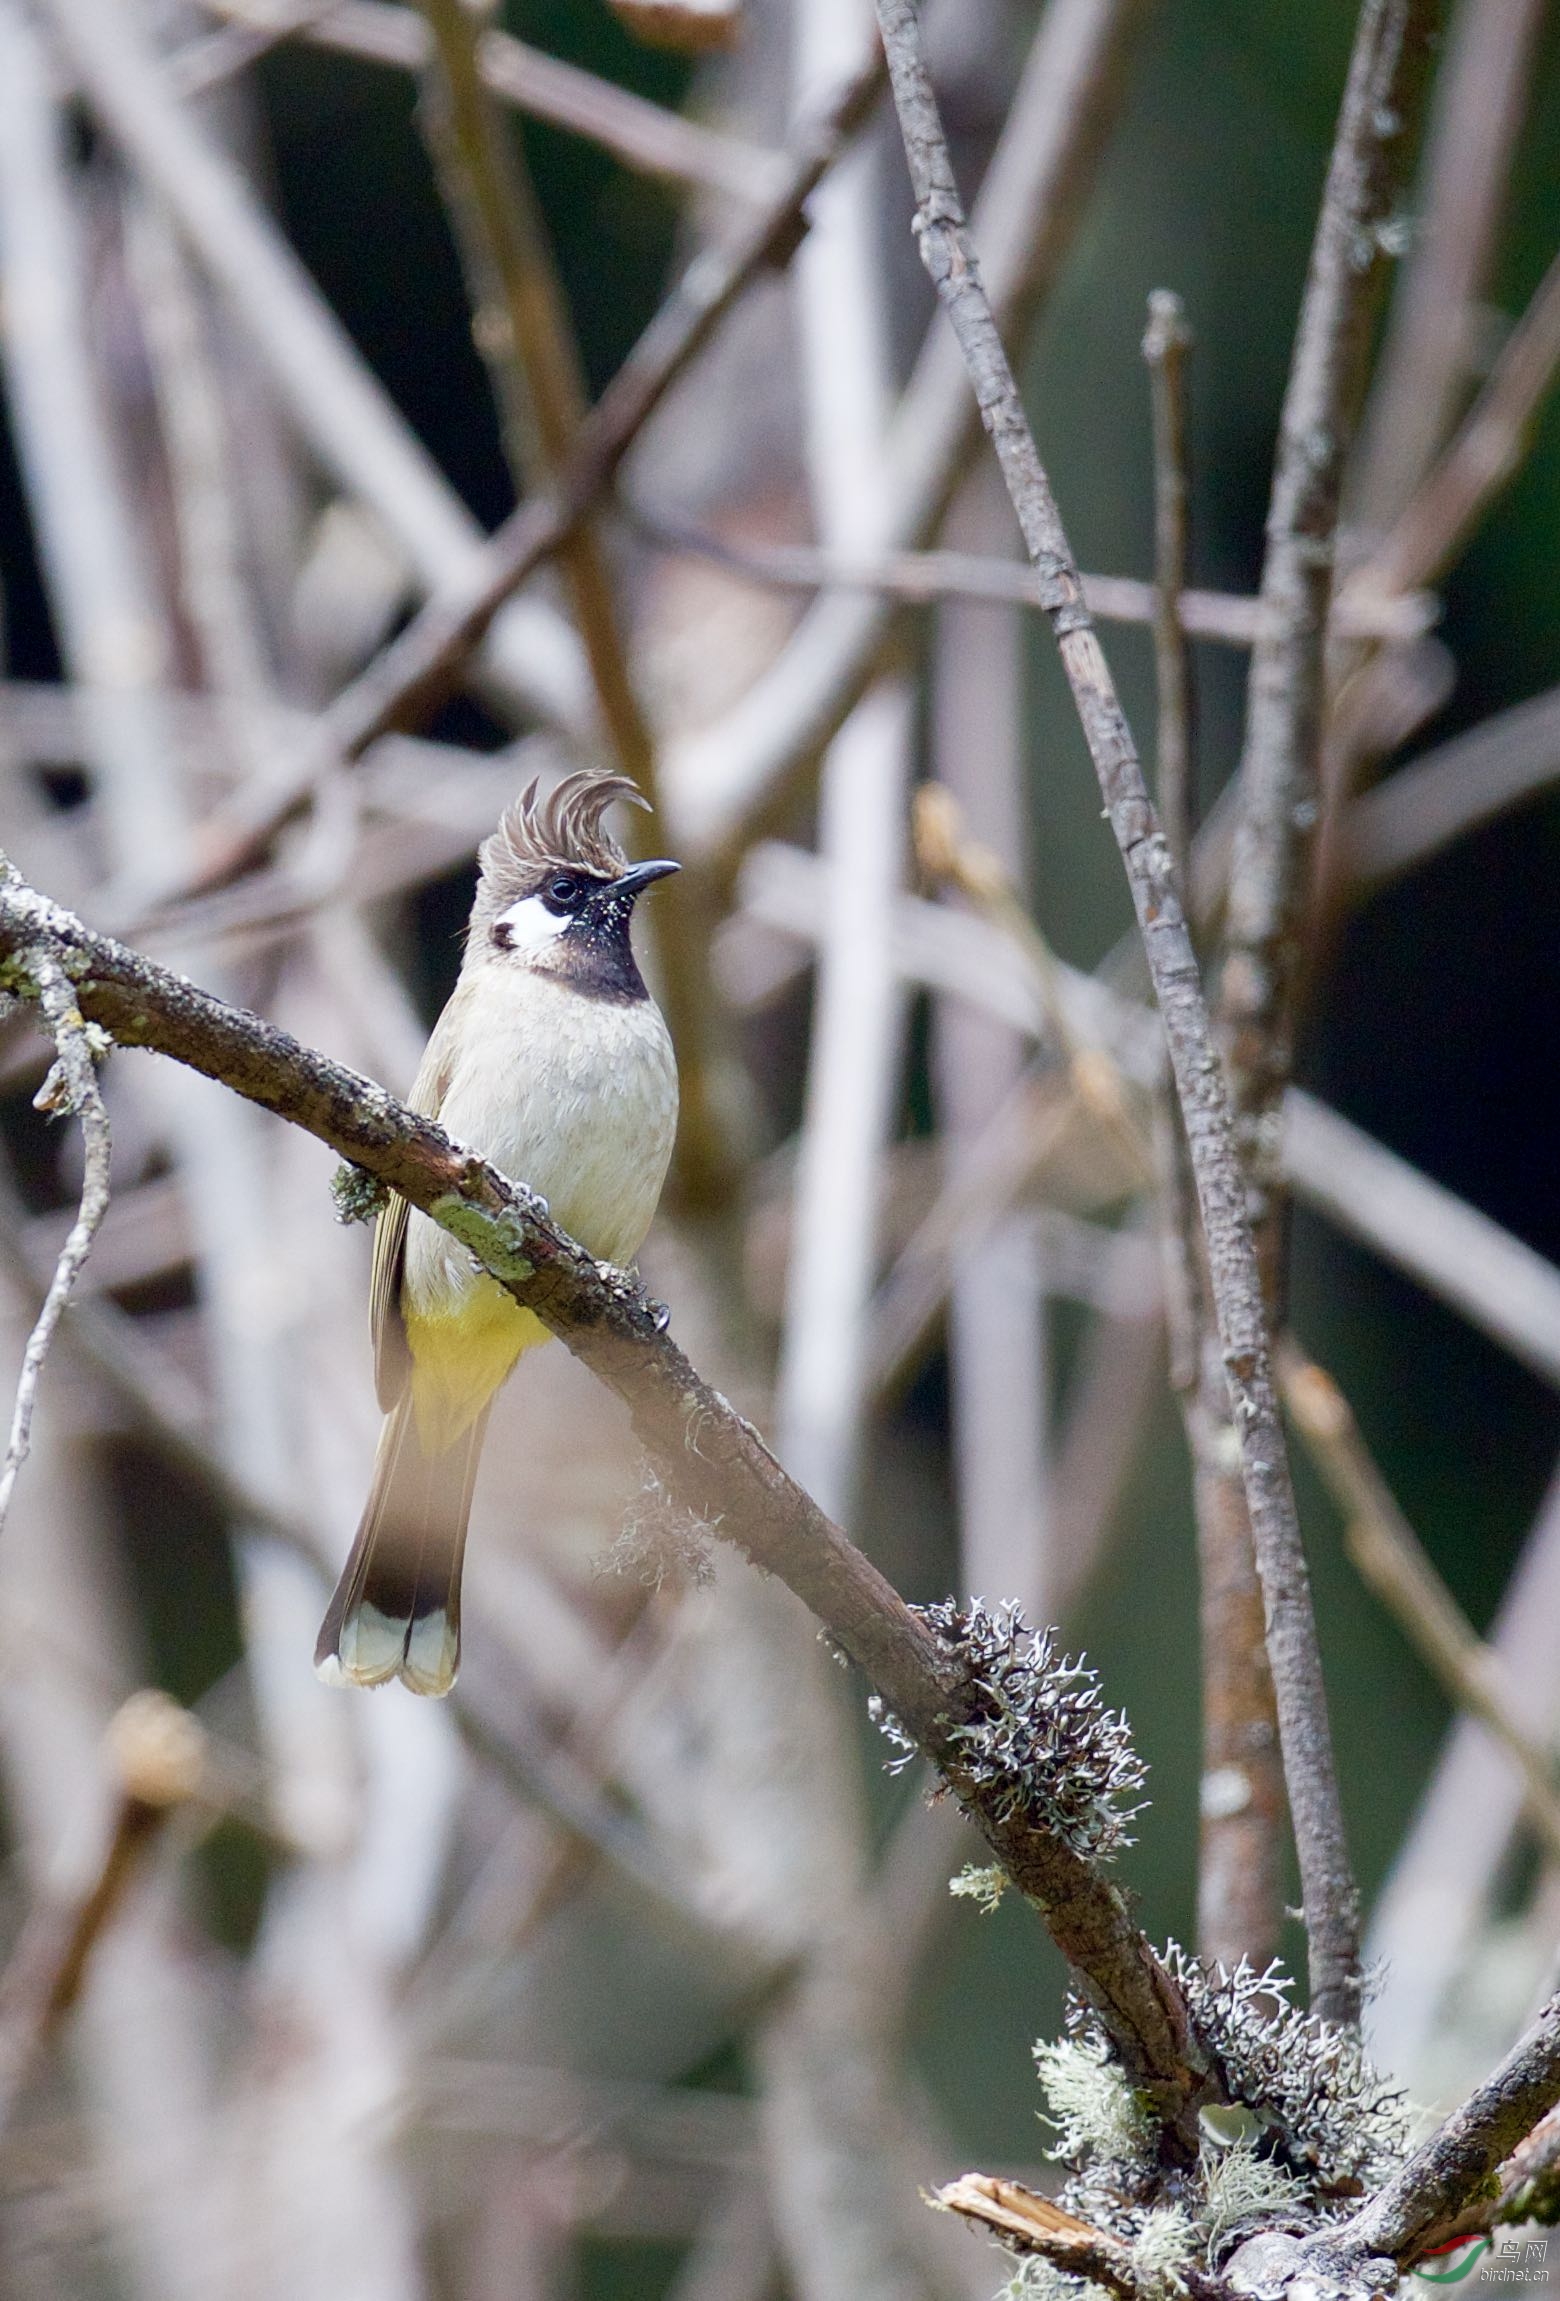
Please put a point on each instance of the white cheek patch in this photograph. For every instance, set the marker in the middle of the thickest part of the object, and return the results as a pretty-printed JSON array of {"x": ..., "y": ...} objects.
[{"x": 529, "y": 925}]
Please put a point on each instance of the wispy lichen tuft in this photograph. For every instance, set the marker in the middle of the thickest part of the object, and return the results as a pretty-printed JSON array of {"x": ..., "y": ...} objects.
[
  {"x": 982, "y": 1886},
  {"x": 1039, "y": 1745},
  {"x": 1244, "y": 2191},
  {"x": 1094, "y": 2110},
  {"x": 1165, "y": 2246},
  {"x": 661, "y": 1542},
  {"x": 1036, "y": 2279}
]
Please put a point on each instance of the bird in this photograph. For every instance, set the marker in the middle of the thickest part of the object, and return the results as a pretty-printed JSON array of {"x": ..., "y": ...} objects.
[{"x": 552, "y": 1061}]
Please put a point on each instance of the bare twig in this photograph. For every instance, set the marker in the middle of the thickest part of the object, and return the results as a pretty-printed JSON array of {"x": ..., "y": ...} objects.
[
  {"x": 921, "y": 577},
  {"x": 1280, "y": 783},
  {"x": 999, "y": 1312},
  {"x": 859, "y": 1009},
  {"x": 1330, "y": 1898},
  {"x": 712, "y": 1460},
  {"x": 71, "y": 1086},
  {"x": 1242, "y": 1790},
  {"x": 1435, "y": 1904},
  {"x": 1506, "y": 760},
  {"x": 1390, "y": 1558},
  {"x": 1495, "y": 1280},
  {"x": 1483, "y": 88},
  {"x": 1486, "y": 450},
  {"x": 1166, "y": 345}
]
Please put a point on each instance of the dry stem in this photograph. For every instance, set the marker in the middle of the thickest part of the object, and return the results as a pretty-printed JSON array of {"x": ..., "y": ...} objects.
[{"x": 1389, "y": 1557}]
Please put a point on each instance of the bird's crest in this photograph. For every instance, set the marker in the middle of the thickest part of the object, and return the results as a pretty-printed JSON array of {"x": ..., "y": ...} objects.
[{"x": 562, "y": 829}]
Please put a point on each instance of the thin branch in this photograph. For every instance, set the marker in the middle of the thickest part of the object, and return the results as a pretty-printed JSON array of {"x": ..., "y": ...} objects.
[
  {"x": 713, "y": 1461},
  {"x": 71, "y": 1086},
  {"x": 1496, "y": 1281},
  {"x": 1483, "y": 89},
  {"x": 1509, "y": 758},
  {"x": 1327, "y": 1880},
  {"x": 1488, "y": 446},
  {"x": 1280, "y": 778},
  {"x": 1166, "y": 345},
  {"x": 1445, "y": 2172},
  {"x": 1241, "y": 1806},
  {"x": 1390, "y": 1559}
]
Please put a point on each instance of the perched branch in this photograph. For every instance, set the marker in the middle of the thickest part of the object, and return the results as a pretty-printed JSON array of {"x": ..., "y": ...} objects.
[
  {"x": 1330, "y": 1899},
  {"x": 713, "y": 1461},
  {"x": 70, "y": 1086},
  {"x": 1389, "y": 1557}
]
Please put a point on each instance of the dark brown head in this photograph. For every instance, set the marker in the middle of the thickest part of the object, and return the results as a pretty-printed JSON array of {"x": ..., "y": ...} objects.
[{"x": 556, "y": 893}]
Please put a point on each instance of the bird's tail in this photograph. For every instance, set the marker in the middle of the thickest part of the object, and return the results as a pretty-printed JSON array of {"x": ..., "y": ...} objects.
[{"x": 396, "y": 1611}]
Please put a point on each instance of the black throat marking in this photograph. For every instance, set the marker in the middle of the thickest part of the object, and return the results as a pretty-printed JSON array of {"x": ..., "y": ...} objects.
[{"x": 594, "y": 954}]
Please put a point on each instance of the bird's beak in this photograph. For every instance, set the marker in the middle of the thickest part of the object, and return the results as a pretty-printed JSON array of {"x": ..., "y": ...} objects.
[{"x": 635, "y": 880}]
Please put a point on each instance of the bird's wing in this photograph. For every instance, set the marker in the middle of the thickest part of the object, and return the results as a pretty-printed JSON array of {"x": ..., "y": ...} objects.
[{"x": 392, "y": 1358}]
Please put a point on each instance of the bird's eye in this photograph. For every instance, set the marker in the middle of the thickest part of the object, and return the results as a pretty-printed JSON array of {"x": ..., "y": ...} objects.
[{"x": 563, "y": 894}]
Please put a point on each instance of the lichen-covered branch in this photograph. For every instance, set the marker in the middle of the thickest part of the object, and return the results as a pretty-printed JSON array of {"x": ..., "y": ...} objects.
[{"x": 1326, "y": 1877}]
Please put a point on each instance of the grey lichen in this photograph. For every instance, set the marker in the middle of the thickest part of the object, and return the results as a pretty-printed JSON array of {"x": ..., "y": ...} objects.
[
  {"x": 1037, "y": 1744},
  {"x": 1327, "y": 2115},
  {"x": 359, "y": 1195}
]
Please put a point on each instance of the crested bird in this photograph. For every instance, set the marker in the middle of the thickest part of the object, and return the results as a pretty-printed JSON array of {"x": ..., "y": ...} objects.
[{"x": 552, "y": 1061}]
